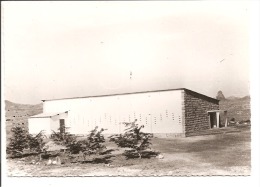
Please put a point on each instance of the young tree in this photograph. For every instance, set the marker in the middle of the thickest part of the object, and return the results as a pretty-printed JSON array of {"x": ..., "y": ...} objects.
[
  {"x": 36, "y": 143},
  {"x": 18, "y": 141},
  {"x": 92, "y": 146},
  {"x": 22, "y": 140},
  {"x": 137, "y": 142}
]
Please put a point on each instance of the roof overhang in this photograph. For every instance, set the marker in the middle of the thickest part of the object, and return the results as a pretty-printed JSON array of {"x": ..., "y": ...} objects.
[
  {"x": 210, "y": 111},
  {"x": 48, "y": 115}
]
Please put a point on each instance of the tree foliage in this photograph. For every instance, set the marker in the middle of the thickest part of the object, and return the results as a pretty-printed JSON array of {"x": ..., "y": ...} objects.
[
  {"x": 137, "y": 142},
  {"x": 92, "y": 145},
  {"x": 21, "y": 140},
  {"x": 62, "y": 138}
]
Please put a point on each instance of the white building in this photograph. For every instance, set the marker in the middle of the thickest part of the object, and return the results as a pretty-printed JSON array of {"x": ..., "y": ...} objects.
[{"x": 161, "y": 112}]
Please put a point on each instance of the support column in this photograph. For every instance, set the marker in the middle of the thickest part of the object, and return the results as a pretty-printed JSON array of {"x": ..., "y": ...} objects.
[
  {"x": 226, "y": 122},
  {"x": 217, "y": 115}
]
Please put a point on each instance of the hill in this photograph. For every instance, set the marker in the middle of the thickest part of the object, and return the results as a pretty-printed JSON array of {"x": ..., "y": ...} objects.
[
  {"x": 238, "y": 108},
  {"x": 18, "y": 114}
]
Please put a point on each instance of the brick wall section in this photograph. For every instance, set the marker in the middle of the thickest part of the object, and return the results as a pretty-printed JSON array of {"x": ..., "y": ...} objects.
[{"x": 195, "y": 109}]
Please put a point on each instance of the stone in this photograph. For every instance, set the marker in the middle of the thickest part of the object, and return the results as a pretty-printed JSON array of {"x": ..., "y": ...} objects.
[
  {"x": 58, "y": 160},
  {"x": 160, "y": 156},
  {"x": 220, "y": 96},
  {"x": 49, "y": 162}
]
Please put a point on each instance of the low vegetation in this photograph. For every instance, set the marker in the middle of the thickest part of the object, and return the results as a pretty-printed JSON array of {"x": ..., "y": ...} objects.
[
  {"x": 137, "y": 142},
  {"x": 71, "y": 149},
  {"x": 219, "y": 154},
  {"x": 22, "y": 143}
]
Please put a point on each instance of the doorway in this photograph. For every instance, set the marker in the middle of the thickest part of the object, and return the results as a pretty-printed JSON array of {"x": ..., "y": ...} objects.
[
  {"x": 213, "y": 120},
  {"x": 62, "y": 126}
]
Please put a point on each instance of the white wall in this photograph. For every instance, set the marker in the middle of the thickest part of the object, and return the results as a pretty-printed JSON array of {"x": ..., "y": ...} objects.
[
  {"x": 36, "y": 125},
  {"x": 55, "y": 122},
  {"x": 158, "y": 111}
]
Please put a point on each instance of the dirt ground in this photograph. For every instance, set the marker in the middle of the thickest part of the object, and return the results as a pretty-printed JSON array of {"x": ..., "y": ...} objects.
[{"x": 211, "y": 155}]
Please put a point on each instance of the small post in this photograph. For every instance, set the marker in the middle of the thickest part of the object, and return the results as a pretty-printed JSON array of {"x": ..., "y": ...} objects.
[{"x": 226, "y": 121}]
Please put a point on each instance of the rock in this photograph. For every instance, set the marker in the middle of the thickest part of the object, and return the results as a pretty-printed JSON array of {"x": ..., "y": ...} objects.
[
  {"x": 160, "y": 156},
  {"x": 54, "y": 162},
  {"x": 49, "y": 162},
  {"x": 170, "y": 173},
  {"x": 220, "y": 96},
  {"x": 58, "y": 161},
  {"x": 33, "y": 162},
  {"x": 52, "y": 146}
]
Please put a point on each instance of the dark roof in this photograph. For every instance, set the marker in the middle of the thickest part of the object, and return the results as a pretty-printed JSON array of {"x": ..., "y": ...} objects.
[{"x": 132, "y": 93}]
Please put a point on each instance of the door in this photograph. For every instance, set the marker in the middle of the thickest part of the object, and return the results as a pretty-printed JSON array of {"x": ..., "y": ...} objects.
[
  {"x": 62, "y": 126},
  {"x": 212, "y": 120}
]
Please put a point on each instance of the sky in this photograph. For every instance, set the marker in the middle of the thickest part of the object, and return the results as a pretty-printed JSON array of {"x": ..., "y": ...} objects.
[{"x": 72, "y": 49}]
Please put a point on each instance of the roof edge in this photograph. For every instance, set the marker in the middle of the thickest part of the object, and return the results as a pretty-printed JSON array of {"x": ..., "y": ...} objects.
[
  {"x": 127, "y": 93},
  {"x": 201, "y": 94}
]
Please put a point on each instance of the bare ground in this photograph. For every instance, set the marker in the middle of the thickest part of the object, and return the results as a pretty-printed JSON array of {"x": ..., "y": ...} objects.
[{"x": 222, "y": 154}]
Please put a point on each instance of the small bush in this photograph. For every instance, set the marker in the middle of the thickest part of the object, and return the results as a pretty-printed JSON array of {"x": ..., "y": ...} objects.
[
  {"x": 92, "y": 147},
  {"x": 62, "y": 138},
  {"x": 21, "y": 140},
  {"x": 137, "y": 142},
  {"x": 18, "y": 141},
  {"x": 36, "y": 143}
]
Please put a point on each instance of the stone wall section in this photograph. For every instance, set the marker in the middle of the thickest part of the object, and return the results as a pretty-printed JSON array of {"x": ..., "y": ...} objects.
[{"x": 195, "y": 115}]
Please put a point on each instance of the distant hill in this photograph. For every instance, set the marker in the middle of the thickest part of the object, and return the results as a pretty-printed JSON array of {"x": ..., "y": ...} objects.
[
  {"x": 238, "y": 108},
  {"x": 19, "y": 113},
  {"x": 232, "y": 98}
]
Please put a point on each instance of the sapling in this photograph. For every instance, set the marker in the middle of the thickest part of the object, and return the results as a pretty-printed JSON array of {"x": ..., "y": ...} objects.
[{"x": 136, "y": 142}]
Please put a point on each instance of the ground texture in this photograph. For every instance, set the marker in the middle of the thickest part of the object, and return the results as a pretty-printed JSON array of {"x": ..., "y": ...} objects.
[{"x": 228, "y": 153}]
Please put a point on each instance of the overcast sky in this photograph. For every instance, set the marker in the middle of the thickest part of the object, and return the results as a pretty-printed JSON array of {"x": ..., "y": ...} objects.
[{"x": 69, "y": 49}]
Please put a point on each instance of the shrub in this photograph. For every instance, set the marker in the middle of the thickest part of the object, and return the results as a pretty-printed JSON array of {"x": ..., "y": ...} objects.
[
  {"x": 18, "y": 141},
  {"x": 36, "y": 143},
  {"x": 62, "y": 138},
  {"x": 93, "y": 145},
  {"x": 137, "y": 142},
  {"x": 22, "y": 140}
]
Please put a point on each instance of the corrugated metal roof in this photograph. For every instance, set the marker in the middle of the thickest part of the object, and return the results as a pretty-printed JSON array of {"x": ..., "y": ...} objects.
[
  {"x": 47, "y": 115},
  {"x": 130, "y": 93}
]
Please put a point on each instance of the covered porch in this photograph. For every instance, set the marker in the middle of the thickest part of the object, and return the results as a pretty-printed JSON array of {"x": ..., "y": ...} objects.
[{"x": 217, "y": 118}]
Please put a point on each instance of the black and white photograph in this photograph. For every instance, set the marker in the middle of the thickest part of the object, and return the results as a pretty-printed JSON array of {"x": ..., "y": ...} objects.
[{"x": 126, "y": 88}]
